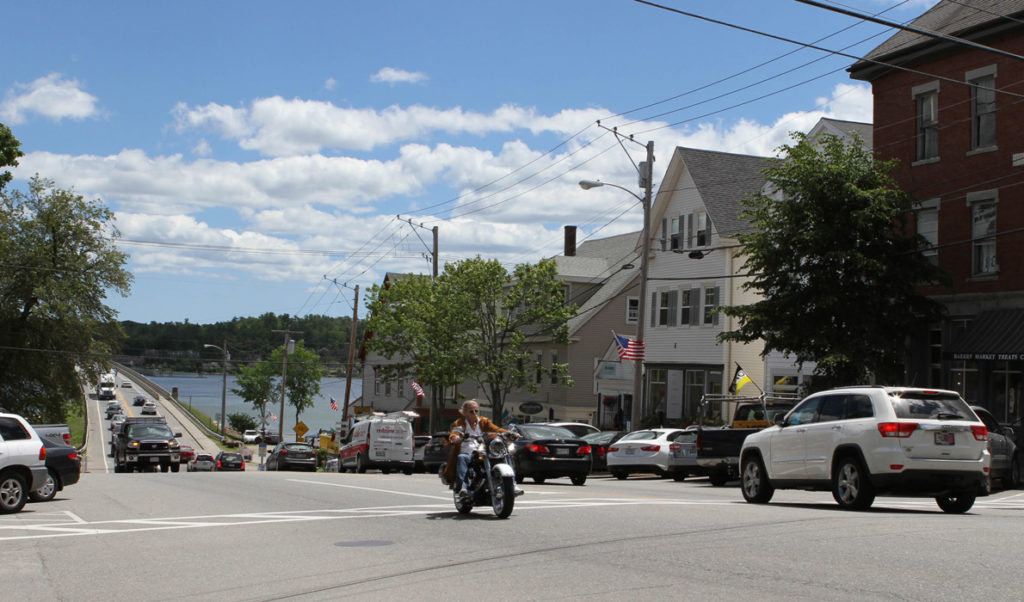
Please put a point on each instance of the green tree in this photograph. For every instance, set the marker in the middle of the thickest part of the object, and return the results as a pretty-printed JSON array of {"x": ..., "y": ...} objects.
[
  {"x": 831, "y": 260},
  {"x": 59, "y": 263},
  {"x": 255, "y": 385},
  {"x": 424, "y": 336},
  {"x": 304, "y": 374},
  {"x": 10, "y": 150},
  {"x": 241, "y": 422},
  {"x": 504, "y": 313}
]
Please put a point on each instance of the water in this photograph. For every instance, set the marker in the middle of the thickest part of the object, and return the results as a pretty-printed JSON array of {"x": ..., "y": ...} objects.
[{"x": 203, "y": 392}]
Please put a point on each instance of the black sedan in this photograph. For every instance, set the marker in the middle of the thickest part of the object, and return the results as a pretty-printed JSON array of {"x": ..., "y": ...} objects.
[
  {"x": 1006, "y": 456},
  {"x": 599, "y": 443},
  {"x": 292, "y": 456},
  {"x": 548, "y": 452},
  {"x": 435, "y": 452},
  {"x": 229, "y": 461},
  {"x": 63, "y": 468}
]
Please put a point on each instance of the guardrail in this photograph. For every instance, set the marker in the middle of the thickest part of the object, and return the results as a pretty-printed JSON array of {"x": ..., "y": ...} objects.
[{"x": 159, "y": 392}]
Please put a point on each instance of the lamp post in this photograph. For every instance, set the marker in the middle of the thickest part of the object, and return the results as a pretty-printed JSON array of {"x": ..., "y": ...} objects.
[
  {"x": 224, "y": 385},
  {"x": 646, "y": 182}
]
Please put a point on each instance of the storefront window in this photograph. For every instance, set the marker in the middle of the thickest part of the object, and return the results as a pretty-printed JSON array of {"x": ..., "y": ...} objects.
[{"x": 965, "y": 381}]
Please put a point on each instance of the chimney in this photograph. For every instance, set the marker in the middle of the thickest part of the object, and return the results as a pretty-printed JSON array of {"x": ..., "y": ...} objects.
[{"x": 570, "y": 241}]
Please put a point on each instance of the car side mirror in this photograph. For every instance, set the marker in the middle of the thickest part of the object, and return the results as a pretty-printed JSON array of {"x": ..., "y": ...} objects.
[
  {"x": 177, "y": 435},
  {"x": 1009, "y": 432}
]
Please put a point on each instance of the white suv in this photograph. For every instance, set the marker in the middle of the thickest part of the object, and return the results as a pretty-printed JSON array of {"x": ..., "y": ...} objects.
[
  {"x": 22, "y": 462},
  {"x": 862, "y": 441}
]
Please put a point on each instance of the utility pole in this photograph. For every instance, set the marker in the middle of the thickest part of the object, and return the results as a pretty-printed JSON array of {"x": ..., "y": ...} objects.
[
  {"x": 351, "y": 356},
  {"x": 289, "y": 346},
  {"x": 435, "y": 402}
]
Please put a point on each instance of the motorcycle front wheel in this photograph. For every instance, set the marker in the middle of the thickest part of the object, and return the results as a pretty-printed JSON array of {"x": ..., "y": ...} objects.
[{"x": 504, "y": 496}]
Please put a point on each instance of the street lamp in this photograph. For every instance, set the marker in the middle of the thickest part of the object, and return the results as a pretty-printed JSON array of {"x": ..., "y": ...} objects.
[
  {"x": 646, "y": 182},
  {"x": 224, "y": 387}
]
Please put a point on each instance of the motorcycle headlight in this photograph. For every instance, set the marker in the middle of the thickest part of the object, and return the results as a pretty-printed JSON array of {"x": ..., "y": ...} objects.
[{"x": 496, "y": 448}]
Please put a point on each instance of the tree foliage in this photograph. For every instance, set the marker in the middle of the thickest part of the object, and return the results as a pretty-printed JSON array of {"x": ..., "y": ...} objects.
[
  {"x": 241, "y": 422},
  {"x": 259, "y": 383},
  {"x": 476, "y": 321},
  {"x": 10, "y": 150},
  {"x": 59, "y": 263},
  {"x": 833, "y": 264}
]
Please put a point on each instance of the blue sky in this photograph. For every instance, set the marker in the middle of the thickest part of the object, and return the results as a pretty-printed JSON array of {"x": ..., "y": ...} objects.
[{"x": 256, "y": 154}]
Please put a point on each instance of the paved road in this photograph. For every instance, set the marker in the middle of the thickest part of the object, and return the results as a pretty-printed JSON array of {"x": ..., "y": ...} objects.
[
  {"x": 97, "y": 458},
  {"x": 324, "y": 536}
]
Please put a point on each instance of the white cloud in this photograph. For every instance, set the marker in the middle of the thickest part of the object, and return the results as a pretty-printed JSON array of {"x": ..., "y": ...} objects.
[
  {"x": 390, "y": 75},
  {"x": 49, "y": 96},
  {"x": 330, "y": 83},
  {"x": 202, "y": 148}
]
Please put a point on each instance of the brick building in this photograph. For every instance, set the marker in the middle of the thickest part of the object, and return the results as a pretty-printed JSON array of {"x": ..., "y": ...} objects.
[{"x": 952, "y": 115}]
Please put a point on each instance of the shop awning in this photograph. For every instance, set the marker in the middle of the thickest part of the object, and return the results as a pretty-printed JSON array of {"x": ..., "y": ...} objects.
[{"x": 996, "y": 335}]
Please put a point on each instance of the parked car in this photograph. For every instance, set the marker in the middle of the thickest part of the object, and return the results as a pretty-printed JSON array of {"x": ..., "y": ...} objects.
[
  {"x": 599, "y": 443},
  {"x": 576, "y": 428},
  {"x": 202, "y": 462},
  {"x": 858, "y": 442},
  {"x": 292, "y": 456},
  {"x": 63, "y": 468},
  {"x": 435, "y": 452},
  {"x": 149, "y": 408},
  {"x": 548, "y": 452},
  {"x": 113, "y": 408},
  {"x": 666, "y": 452},
  {"x": 22, "y": 462},
  {"x": 226, "y": 460},
  {"x": 250, "y": 436},
  {"x": 186, "y": 453},
  {"x": 419, "y": 444},
  {"x": 1006, "y": 456},
  {"x": 139, "y": 400}
]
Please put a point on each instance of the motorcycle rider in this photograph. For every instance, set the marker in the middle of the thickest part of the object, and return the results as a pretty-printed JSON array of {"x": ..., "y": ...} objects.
[{"x": 458, "y": 456}]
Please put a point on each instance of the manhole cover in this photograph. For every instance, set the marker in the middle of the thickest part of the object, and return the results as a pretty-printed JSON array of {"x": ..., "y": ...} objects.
[{"x": 363, "y": 544}]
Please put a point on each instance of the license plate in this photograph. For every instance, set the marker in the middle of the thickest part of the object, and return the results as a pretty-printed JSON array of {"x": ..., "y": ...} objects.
[
  {"x": 630, "y": 451},
  {"x": 154, "y": 459},
  {"x": 561, "y": 451},
  {"x": 379, "y": 453},
  {"x": 945, "y": 439}
]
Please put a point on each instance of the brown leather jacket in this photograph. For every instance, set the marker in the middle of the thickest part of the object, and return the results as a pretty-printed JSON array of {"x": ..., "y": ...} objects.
[{"x": 486, "y": 426}]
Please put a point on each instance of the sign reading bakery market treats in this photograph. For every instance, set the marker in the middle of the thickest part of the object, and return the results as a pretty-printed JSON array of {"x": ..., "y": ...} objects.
[
  {"x": 998, "y": 357},
  {"x": 530, "y": 407}
]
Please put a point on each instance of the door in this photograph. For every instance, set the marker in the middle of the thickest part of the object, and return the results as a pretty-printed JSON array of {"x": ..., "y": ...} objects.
[{"x": 788, "y": 444}]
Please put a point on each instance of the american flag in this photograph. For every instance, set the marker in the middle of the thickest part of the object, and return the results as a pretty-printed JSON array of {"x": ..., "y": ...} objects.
[
  {"x": 629, "y": 349},
  {"x": 334, "y": 405},
  {"x": 272, "y": 417},
  {"x": 416, "y": 387}
]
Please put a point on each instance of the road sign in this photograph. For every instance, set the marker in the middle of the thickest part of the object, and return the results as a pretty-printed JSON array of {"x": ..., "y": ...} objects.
[{"x": 301, "y": 429}]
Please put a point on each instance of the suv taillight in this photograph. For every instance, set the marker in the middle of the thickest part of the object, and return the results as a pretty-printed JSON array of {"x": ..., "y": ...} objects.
[
  {"x": 901, "y": 430},
  {"x": 42, "y": 452},
  {"x": 980, "y": 432}
]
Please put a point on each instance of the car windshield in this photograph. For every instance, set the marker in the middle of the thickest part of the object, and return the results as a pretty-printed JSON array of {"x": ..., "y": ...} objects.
[
  {"x": 931, "y": 405},
  {"x": 150, "y": 430},
  {"x": 599, "y": 437},
  {"x": 640, "y": 435},
  {"x": 545, "y": 432}
]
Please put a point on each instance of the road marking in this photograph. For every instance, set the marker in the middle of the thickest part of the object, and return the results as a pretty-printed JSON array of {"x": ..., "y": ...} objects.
[{"x": 431, "y": 497}]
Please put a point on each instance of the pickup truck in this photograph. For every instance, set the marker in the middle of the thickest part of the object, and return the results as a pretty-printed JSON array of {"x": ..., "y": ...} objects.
[
  {"x": 58, "y": 433},
  {"x": 718, "y": 447},
  {"x": 143, "y": 444}
]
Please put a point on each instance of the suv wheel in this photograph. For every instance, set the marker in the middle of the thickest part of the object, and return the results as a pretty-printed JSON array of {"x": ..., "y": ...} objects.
[
  {"x": 13, "y": 493},
  {"x": 957, "y": 504},
  {"x": 851, "y": 484},
  {"x": 1013, "y": 482},
  {"x": 757, "y": 489}
]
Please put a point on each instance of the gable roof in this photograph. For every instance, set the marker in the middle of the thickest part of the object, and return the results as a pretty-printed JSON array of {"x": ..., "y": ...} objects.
[
  {"x": 600, "y": 261},
  {"x": 723, "y": 180},
  {"x": 973, "y": 21},
  {"x": 845, "y": 129}
]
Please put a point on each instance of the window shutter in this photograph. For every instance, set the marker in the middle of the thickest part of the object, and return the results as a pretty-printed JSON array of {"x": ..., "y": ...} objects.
[
  {"x": 654, "y": 309},
  {"x": 664, "y": 233},
  {"x": 695, "y": 303},
  {"x": 714, "y": 318},
  {"x": 689, "y": 231},
  {"x": 673, "y": 306}
]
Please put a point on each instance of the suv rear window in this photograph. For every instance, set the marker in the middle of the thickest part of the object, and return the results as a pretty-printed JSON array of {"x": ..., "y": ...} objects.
[{"x": 936, "y": 406}]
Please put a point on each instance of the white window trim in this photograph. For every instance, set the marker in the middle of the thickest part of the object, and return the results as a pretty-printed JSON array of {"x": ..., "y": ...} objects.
[
  {"x": 984, "y": 196},
  {"x": 636, "y": 316}
]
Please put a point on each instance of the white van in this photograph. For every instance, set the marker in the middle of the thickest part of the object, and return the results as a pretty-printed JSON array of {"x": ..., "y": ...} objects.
[{"x": 381, "y": 441}]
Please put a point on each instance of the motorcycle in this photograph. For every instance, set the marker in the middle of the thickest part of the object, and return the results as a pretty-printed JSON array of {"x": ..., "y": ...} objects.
[{"x": 490, "y": 478}]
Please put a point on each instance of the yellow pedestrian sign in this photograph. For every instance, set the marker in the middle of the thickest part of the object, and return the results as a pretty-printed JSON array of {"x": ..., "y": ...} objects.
[{"x": 301, "y": 429}]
